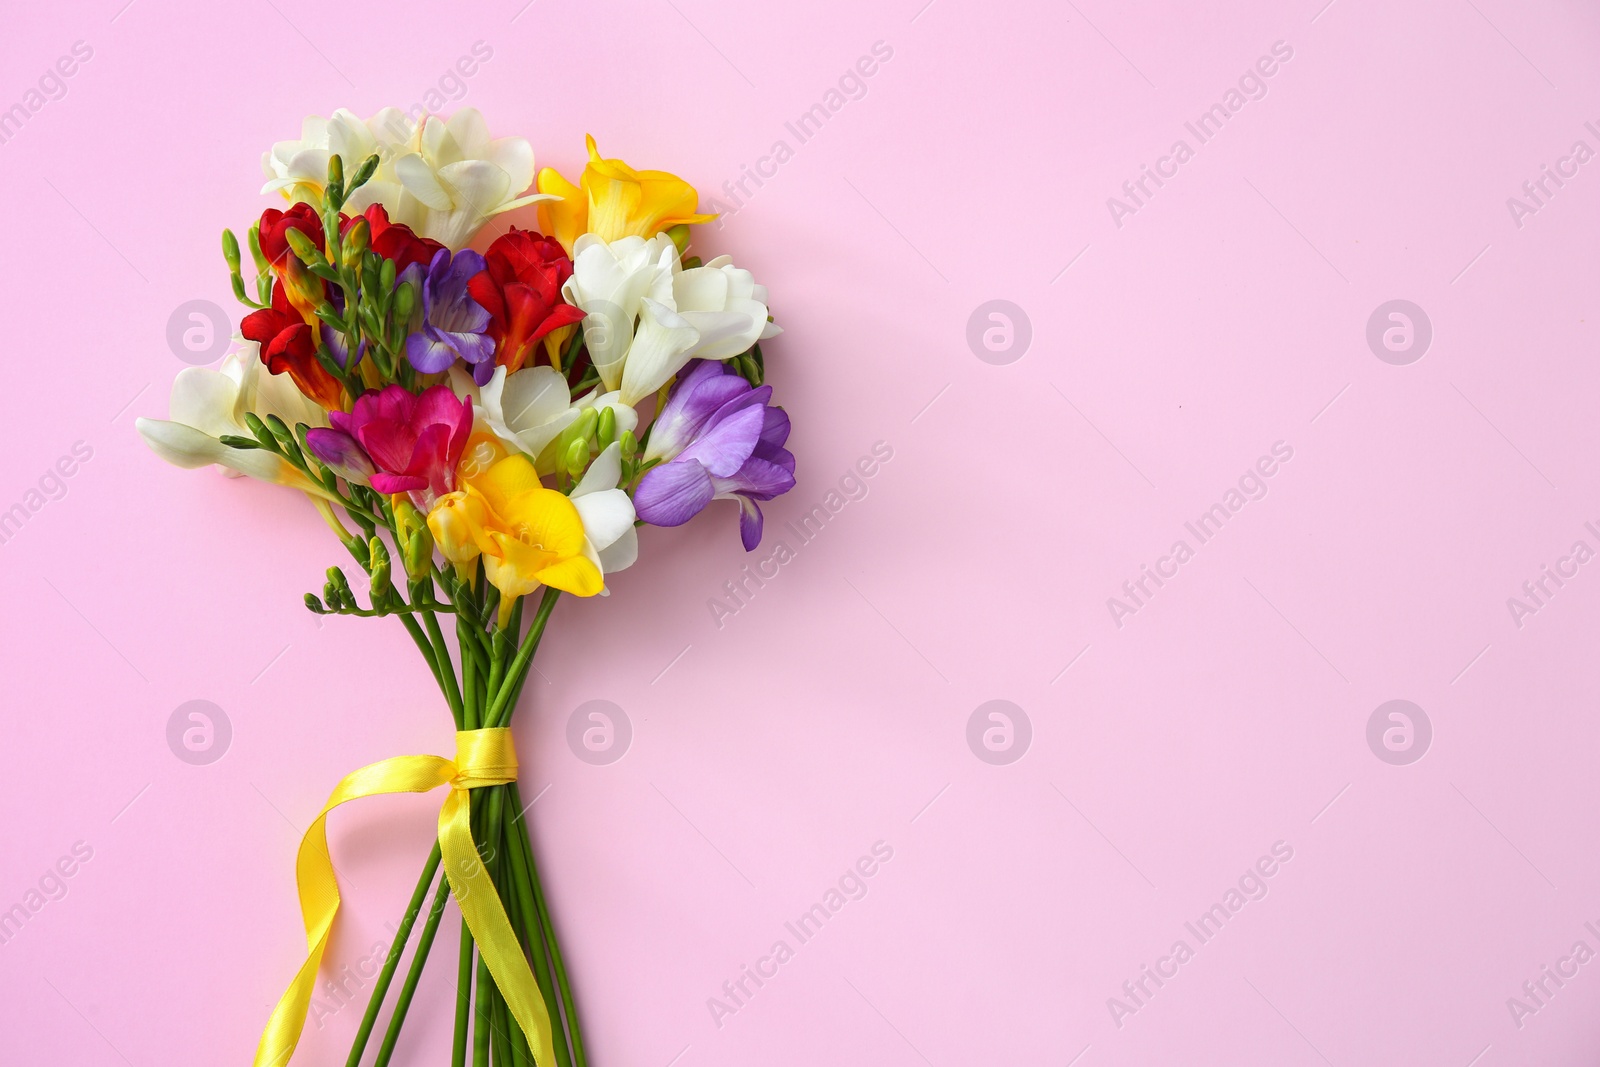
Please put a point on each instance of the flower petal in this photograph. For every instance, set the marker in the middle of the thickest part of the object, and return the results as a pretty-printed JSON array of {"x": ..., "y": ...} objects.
[
  {"x": 603, "y": 473},
  {"x": 674, "y": 493},
  {"x": 605, "y": 515}
]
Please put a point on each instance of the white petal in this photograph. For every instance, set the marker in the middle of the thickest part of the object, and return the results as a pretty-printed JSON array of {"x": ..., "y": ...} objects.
[
  {"x": 660, "y": 349},
  {"x": 532, "y": 397},
  {"x": 185, "y": 446},
  {"x": 514, "y": 155},
  {"x": 622, "y": 553},
  {"x": 470, "y": 133},
  {"x": 205, "y": 399},
  {"x": 726, "y": 333},
  {"x": 606, "y": 515},
  {"x": 700, "y": 289},
  {"x": 419, "y": 180},
  {"x": 603, "y": 473}
]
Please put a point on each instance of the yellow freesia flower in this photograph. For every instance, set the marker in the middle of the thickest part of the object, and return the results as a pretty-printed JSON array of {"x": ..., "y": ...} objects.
[
  {"x": 527, "y": 535},
  {"x": 614, "y": 201}
]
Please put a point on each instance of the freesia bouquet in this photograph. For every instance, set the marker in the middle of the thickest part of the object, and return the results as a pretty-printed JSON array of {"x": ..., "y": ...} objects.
[{"x": 476, "y": 427}]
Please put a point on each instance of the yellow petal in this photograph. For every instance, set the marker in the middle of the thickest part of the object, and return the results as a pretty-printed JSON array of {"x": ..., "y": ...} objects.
[
  {"x": 504, "y": 481},
  {"x": 566, "y": 218},
  {"x": 457, "y": 523},
  {"x": 545, "y": 518},
  {"x": 577, "y": 576},
  {"x": 513, "y": 567},
  {"x": 624, "y": 202}
]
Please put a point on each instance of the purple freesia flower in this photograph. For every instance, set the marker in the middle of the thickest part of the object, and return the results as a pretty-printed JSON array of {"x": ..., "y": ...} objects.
[
  {"x": 453, "y": 323},
  {"x": 719, "y": 441}
]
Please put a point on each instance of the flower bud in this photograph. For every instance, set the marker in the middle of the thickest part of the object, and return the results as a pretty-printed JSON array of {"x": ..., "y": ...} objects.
[
  {"x": 356, "y": 241},
  {"x": 342, "y": 596},
  {"x": 630, "y": 445},
  {"x": 405, "y": 302},
  {"x": 606, "y": 432},
  {"x": 412, "y": 537},
  {"x": 259, "y": 429},
  {"x": 577, "y": 457},
  {"x": 230, "y": 251},
  {"x": 452, "y": 523},
  {"x": 303, "y": 246},
  {"x": 418, "y": 555},
  {"x": 586, "y": 424},
  {"x": 378, "y": 564},
  {"x": 366, "y": 170},
  {"x": 680, "y": 236},
  {"x": 314, "y": 605}
]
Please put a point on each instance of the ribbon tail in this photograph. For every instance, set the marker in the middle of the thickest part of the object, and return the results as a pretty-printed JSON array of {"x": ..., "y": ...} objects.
[
  {"x": 491, "y": 929},
  {"x": 319, "y": 889}
]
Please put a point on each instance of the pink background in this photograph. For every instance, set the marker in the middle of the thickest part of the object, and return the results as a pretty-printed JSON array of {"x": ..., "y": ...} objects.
[{"x": 1167, "y": 755}]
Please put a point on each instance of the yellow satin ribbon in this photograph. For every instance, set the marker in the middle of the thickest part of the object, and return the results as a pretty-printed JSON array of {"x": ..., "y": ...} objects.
[{"x": 483, "y": 757}]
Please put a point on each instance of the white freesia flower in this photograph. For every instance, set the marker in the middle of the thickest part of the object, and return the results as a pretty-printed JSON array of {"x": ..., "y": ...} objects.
[
  {"x": 646, "y": 316},
  {"x": 526, "y": 410},
  {"x": 444, "y": 178},
  {"x": 208, "y": 404},
  {"x": 609, "y": 283},
  {"x": 461, "y": 178},
  {"x": 611, "y": 542},
  {"x": 299, "y": 169},
  {"x": 725, "y": 305}
]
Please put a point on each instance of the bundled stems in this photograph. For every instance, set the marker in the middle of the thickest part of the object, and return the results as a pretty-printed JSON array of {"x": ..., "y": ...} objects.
[{"x": 481, "y": 685}]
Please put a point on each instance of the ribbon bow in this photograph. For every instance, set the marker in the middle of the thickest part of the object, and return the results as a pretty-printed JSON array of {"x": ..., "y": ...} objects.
[{"x": 483, "y": 757}]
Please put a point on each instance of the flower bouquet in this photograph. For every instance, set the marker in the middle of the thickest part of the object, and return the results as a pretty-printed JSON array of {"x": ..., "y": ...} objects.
[{"x": 483, "y": 431}]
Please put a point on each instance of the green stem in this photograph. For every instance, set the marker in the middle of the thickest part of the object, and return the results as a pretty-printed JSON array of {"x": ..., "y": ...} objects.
[
  {"x": 524, "y": 846},
  {"x": 458, "y": 1053},
  {"x": 480, "y": 1016},
  {"x": 402, "y": 1004},
  {"x": 452, "y": 693},
  {"x": 500, "y": 709},
  {"x": 525, "y": 913},
  {"x": 381, "y": 989},
  {"x": 502, "y": 1026}
]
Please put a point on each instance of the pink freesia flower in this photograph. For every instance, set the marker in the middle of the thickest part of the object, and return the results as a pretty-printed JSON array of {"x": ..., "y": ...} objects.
[{"x": 414, "y": 441}]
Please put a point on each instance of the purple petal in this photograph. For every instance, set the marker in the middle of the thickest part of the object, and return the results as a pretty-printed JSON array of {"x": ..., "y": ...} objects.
[
  {"x": 723, "y": 448},
  {"x": 428, "y": 352},
  {"x": 336, "y": 345},
  {"x": 774, "y": 454},
  {"x": 697, "y": 396},
  {"x": 775, "y": 431},
  {"x": 339, "y": 450},
  {"x": 448, "y": 305},
  {"x": 673, "y": 493},
  {"x": 473, "y": 347},
  {"x": 757, "y": 478},
  {"x": 750, "y": 523}
]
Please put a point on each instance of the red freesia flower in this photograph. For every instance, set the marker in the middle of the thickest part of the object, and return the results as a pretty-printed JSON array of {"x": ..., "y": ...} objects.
[
  {"x": 274, "y": 230},
  {"x": 394, "y": 240},
  {"x": 520, "y": 287},
  {"x": 289, "y": 344}
]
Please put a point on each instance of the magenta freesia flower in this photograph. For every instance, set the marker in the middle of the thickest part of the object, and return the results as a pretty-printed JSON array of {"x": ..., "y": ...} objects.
[{"x": 411, "y": 442}]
